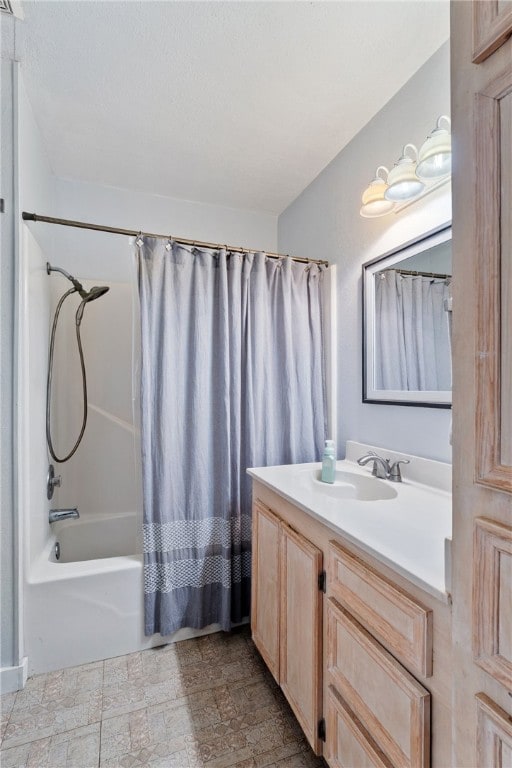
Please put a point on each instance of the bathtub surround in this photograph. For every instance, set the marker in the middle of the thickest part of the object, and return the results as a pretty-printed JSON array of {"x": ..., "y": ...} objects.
[{"x": 231, "y": 377}]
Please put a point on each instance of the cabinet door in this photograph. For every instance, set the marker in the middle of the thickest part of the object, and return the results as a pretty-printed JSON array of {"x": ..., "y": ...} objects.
[
  {"x": 301, "y": 630},
  {"x": 348, "y": 743},
  {"x": 265, "y": 587}
]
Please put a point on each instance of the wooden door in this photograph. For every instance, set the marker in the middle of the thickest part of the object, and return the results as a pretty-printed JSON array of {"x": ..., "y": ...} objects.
[
  {"x": 482, "y": 369},
  {"x": 265, "y": 585},
  {"x": 301, "y": 630}
]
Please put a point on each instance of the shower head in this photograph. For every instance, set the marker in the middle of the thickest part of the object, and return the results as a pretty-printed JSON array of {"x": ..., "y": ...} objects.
[
  {"x": 86, "y": 296},
  {"x": 94, "y": 293}
]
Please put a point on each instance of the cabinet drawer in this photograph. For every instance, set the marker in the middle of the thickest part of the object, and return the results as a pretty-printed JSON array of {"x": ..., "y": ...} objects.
[
  {"x": 393, "y": 616},
  {"x": 348, "y": 743},
  {"x": 391, "y": 705}
]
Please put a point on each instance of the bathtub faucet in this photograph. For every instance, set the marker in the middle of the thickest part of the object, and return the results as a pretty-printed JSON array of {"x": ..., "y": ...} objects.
[{"x": 62, "y": 514}]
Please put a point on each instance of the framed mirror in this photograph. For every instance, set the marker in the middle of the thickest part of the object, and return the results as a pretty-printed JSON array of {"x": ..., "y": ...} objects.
[{"x": 407, "y": 324}]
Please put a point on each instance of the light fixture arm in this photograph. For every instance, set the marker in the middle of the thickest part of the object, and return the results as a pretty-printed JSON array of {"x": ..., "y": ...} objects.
[
  {"x": 414, "y": 149},
  {"x": 443, "y": 117},
  {"x": 381, "y": 168}
]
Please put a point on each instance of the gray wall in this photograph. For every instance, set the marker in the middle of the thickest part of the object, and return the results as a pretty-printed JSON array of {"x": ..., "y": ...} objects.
[
  {"x": 8, "y": 649},
  {"x": 324, "y": 222}
]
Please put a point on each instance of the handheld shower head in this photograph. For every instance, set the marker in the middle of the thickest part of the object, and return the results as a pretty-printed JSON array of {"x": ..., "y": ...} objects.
[{"x": 95, "y": 292}]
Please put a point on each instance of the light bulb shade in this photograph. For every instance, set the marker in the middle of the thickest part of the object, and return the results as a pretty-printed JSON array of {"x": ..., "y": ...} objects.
[
  {"x": 435, "y": 155},
  {"x": 374, "y": 202},
  {"x": 402, "y": 181}
]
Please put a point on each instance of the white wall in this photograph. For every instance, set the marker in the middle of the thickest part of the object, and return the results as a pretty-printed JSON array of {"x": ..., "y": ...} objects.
[
  {"x": 324, "y": 222},
  {"x": 9, "y": 656}
]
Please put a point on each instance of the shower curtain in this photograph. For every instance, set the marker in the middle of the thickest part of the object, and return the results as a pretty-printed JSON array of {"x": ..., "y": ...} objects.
[
  {"x": 231, "y": 377},
  {"x": 412, "y": 344}
]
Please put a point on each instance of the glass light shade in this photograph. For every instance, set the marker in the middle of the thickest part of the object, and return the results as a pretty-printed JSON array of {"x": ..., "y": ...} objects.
[
  {"x": 435, "y": 156},
  {"x": 402, "y": 181},
  {"x": 374, "y": 202}
]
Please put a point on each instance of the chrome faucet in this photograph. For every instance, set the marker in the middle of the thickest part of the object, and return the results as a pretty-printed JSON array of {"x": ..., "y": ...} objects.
[
  {"x": 62, "y": 514},
  {"x": 382, "y": 468}
]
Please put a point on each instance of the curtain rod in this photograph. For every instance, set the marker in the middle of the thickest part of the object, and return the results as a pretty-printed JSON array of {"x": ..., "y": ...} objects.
[
  {"x": 181, "y": 240},
  {"x": 435, "y": 275}
]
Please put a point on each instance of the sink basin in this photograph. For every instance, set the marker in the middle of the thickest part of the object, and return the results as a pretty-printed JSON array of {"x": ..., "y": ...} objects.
[{"x": 349, "y": 485}]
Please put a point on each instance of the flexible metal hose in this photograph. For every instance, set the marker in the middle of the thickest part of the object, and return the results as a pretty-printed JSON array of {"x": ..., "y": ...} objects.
[{"x": 78, "y": 320}]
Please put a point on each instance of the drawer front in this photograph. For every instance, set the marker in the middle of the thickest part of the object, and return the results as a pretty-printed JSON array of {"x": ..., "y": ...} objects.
[
  {"x": 391, "y": 705},
  {"x": 348, "y": 744},
  {"x": 393, "y": 616}
]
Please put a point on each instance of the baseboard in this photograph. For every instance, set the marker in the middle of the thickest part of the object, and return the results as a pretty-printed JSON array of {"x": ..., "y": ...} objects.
[{"x": 14, "y": 678}]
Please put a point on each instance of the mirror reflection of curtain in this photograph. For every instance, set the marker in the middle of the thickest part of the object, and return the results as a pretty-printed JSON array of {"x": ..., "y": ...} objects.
[{"x": 412, "y": 332}]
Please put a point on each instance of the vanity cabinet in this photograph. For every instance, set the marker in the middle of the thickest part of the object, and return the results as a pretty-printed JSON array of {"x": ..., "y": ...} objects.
[
  {"x": 365, "y": 664},
  {"x": 286, "y": 601},
  {"x": 377, "y": 689}
]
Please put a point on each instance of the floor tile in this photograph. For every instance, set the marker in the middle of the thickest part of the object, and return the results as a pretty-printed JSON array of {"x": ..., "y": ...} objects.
[
  {"x": 78, "y": 748},
  {"x": 203, "y": 703},
  {"x": 50, "y": 717}
]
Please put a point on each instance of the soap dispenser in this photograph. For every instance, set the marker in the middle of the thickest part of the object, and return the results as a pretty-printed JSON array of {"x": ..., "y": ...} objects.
[{"x": 328, "y": 462}]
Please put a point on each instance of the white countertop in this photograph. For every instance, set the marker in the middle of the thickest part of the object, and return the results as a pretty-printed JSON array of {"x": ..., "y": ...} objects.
[{"x": 406, "y": 533}]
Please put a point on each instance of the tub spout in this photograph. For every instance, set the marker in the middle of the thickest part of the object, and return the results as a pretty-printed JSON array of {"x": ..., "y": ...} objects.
[{"x": 62, "y": 514}]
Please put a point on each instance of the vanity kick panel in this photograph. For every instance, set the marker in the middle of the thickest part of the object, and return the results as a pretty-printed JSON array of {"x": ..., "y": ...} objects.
[
  {"x": 393, "y": 616},
  {"x": 389, "y": 702}
]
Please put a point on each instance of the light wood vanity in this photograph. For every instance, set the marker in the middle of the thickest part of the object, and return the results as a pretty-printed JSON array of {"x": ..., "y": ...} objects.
[{"x": 361, "y": 653}]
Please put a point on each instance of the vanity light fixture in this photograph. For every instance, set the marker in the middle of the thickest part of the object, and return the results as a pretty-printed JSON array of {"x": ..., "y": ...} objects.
[
  {"x": 435, "y": 155},
  {"x": 413, "y": 175},
  {"x": 402, "y": 180},
  {"x": 373, "y": 199}
]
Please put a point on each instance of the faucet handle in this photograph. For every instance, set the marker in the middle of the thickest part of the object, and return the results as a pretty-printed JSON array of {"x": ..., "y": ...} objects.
[
  {"x": 52, "y": 481},
  {"x": 394, "y": 473}
]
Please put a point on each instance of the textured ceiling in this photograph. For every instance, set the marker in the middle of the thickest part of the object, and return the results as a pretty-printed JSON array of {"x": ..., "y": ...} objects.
[{"x": 234, "y": 103}]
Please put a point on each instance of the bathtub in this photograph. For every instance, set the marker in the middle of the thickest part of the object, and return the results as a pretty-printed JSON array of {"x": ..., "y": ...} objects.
[
  {"x": 88, "y": 605},
  {"x": 96, "y": 537}
]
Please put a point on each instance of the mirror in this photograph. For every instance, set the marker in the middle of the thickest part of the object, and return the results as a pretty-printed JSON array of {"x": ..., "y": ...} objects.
[{"x": 407, "y": 324}]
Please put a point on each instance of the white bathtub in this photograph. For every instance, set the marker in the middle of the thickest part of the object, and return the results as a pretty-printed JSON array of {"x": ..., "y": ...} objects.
[
  {"x": 96, "y": 537},
  {"x": 88, "y": 605}
]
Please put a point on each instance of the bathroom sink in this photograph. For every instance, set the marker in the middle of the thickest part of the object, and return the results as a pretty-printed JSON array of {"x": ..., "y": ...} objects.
[{"x": 349, "y": 485}]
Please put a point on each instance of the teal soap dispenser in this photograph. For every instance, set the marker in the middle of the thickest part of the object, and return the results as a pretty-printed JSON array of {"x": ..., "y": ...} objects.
[{"x": 328, "y": 462}]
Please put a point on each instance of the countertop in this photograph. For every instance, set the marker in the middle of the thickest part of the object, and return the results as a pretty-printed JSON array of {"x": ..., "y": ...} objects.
[{"x": 410, "y": 533}]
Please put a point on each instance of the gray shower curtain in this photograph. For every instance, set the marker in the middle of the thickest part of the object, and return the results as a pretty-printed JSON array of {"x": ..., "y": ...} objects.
[{"x": 231, "y": 377}]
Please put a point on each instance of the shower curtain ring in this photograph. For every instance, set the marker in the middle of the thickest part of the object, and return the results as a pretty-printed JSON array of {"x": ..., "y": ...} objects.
[
  {"x": 169, "y": 244},
  {"x": 139, "y": 241}
]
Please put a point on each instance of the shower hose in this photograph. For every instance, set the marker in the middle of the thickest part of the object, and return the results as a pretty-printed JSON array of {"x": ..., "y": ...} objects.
[{"x": 78, "y": 320}]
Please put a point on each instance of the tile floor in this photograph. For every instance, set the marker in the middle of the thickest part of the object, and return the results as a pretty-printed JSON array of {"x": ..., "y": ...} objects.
[{"x": 204, "y": 702}]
